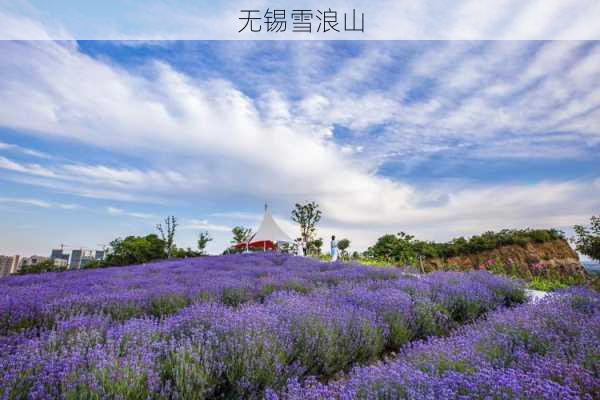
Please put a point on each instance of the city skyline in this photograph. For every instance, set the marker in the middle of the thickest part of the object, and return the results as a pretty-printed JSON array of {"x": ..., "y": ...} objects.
[{"x": 75, "y": 259}]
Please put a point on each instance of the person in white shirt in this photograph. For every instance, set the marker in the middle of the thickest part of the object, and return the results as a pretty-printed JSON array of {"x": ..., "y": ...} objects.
[
  {"x": 301, "y": 247},
  {"x": 334, "y": 249}
]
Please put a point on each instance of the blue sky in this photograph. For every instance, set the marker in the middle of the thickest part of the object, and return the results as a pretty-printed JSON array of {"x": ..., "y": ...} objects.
[{"x": 440, "y": 139}]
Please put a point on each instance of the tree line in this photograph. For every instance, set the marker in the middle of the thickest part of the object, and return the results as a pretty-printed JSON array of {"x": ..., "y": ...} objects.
[
  {"x": 403, "y": 248},
  {"x": 400, "y": 248},
  {"x": 152, "y": 247},
  {"x": 161, "y": 245}
]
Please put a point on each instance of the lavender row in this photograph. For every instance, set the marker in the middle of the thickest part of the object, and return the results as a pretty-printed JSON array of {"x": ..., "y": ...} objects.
[
  {"x": 160, "y": 289},
  {"x": 547, "y": 350},
  {"x": 210, "y": 350}
]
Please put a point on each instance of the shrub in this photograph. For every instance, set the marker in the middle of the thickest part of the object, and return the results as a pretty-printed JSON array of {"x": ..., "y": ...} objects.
[{"x": 404, "y": 248}]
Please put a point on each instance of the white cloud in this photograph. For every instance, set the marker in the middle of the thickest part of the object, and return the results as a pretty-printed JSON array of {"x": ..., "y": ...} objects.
[
  {"x": 31, "y": 169},
  {"x": 210, "y": 128},
  {"x": 120, "y": 212},
  {"x": 128, "y": 177},
  {"x": 472, "y": 95},
  {"x": 31, "y": 202},
  {"x": 16, "y": 26},
  {"x": 38, "y": 203},
  {"x": 69, "y": 206},
  {"x": 24, "y": 150},
  {"x": 202, "y": 224},
  {"x": 237, "y": 215},
  {"x": 115, "y": 211},
  {"x": 99, "y": 181}
]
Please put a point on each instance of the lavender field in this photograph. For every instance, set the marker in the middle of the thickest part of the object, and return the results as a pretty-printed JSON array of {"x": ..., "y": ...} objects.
[{"x": 279, "y": 327}]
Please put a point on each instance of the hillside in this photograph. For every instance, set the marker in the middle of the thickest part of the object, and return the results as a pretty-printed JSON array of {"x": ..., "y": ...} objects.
[
  {"x": 553, "y": 257},
  {"x": 224, "y": 327}
]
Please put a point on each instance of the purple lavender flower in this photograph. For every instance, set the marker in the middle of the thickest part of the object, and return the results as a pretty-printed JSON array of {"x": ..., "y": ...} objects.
[
  {"x": 235, "y": 326},
  {"x": 546, "y": 350}
]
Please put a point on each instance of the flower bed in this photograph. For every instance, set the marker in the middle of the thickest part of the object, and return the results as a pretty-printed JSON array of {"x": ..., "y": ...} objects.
[
  {"x": 220, "y": 327},
  {"x": 546, "y": 350}
]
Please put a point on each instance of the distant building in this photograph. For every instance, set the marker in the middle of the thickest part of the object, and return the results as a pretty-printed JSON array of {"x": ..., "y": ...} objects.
[
  {"x": 99, "y": 255},
  {"x": 58, "y": 254},
  {"x": 60, "y": 262},
  {"x": 80, "y": 257},
  {"x": 9, "y": 265},
  {"x": 75, "y": 261},
  {"x": 33, "y": 260}
]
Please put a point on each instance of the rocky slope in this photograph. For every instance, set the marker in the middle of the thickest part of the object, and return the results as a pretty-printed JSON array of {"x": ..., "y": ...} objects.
[{"x": 550, "y": 258}]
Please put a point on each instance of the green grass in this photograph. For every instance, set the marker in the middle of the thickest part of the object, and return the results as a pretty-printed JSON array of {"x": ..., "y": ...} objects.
[
  {"x": 546, "y": 285},
  {"x": 374, "y": 262}
]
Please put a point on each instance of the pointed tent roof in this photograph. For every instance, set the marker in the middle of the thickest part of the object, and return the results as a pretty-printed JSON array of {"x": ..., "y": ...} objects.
[{"x": 269, "y": 230}]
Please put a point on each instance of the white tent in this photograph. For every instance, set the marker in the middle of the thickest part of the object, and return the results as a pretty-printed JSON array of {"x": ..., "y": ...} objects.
[{"x": 269, "y": 230}]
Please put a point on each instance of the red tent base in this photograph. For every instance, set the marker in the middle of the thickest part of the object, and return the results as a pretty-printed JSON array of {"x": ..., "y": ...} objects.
[{"x": 261, "y": 245}]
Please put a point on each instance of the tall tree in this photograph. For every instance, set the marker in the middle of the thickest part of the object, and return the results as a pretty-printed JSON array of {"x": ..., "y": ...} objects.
[
  {"x": 398, "y": 248},
  {"x": 203, "y": 239},
  {"x": 307, "y": 216},
  {"x": 167, "y": 233},
  {"x": 587, "y": 238},
  {"x": 135, "y": 250},
  {"x": 241, "y": 234},
  {"x": 343, "y": 245},
  {"x": 314, "y": 246}
]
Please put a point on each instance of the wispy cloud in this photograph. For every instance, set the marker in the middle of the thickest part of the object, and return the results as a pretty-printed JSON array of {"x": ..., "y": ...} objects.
[
  {"x": 23, "y": 150},
  {"x": 99, "y": 181},
  {"x": 202, "y": 224},
  {"x": 38, "y": 203},
  {"x": 120, "y": 212},
  {"x": 237, "y": 215},
  {"x": 30, "y": 202},
  {"x": 30, "y": 169}
]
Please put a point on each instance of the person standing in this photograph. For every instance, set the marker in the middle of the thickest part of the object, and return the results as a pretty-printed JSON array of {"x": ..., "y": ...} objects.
[
  {"x": 334, "y": 249},
  {"x": 301, "y": 248}
]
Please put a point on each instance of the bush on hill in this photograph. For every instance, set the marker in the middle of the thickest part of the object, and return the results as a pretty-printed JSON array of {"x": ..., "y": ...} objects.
[{"x": 404, "y": 248}]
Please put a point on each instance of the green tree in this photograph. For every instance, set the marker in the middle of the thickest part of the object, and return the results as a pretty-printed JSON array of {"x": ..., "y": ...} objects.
[
  {"x": 314, "y": 246},
  {"x": 42, "y": 266},
  {"x": 94, "y": 264},
  {"x": 136, "y": 250},
  {"x": 384, "y": 248},
  {"x": 203, "y": 239},
  {"x": 167, "y": 233},
  {"x": 404, "y": 248},
  {"x": 587, "y": 238},
  {"x": 289, "y": 248},
  {"x": 307, "y": 216},
  {"x": 184, "y": 253},
  {"x": 399, "y": 248},
  {"x": 241, "y": 234},
  {"x": 343, "y": 245}
]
